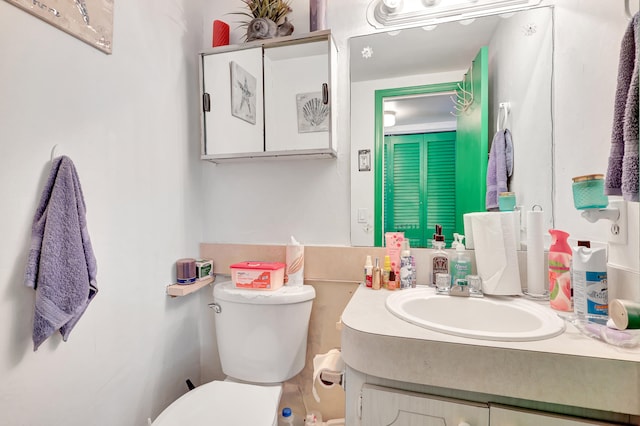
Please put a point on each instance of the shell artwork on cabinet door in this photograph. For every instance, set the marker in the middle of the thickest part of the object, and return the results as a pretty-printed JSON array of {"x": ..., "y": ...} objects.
[
  {"x": 88, "y": 20},
  {"x": 313, "y": 114}
]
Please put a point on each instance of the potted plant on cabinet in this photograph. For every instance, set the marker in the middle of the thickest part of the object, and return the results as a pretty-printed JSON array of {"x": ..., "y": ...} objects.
[{"x": 267, "y": 19}]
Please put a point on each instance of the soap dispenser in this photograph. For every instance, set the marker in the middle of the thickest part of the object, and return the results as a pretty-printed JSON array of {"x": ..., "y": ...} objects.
[
  {"x": 461, "y": 262},
  {"x": 440, "y": 258}
]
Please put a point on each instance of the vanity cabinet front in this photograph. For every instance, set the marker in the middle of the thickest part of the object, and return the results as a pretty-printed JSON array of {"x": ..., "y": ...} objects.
[
  {"x": 383, "y": 406},
  {"x": 270, "y": 98}
]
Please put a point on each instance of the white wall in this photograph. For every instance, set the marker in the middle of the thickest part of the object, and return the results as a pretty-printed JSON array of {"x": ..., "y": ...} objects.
[
  {"x": 587, "y": 51},
  {"x": 129, "y": 122},
  {"x": 520, "y": 72}
]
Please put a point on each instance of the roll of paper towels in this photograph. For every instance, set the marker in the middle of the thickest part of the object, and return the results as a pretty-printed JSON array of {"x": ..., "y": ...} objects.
[
  {"x": 535, "y": 253},
  {"x": 328, "y": 370},
  {"x": 494, "y": 239}
]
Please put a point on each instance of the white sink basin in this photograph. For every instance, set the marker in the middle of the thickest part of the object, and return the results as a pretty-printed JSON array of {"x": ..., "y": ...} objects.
[{"x": 488, "y": 318}]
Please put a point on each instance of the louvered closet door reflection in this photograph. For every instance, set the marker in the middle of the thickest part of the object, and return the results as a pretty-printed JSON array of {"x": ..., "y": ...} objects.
[{"x": 419, "y": 185}]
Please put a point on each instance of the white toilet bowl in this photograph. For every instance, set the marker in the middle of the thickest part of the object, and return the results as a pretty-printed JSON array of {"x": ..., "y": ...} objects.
[{"x": 224, "y": 404}]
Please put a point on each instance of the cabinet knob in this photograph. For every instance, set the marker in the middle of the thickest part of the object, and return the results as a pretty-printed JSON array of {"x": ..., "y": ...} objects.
[{"x": 325, "y": 93}]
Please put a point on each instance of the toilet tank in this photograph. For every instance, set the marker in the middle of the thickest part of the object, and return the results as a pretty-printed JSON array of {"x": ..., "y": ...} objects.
[{"x": 262, "y": 335}]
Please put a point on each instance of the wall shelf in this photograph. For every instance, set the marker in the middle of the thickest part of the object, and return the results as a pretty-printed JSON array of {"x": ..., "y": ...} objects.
[{"x": 176, "y": 290}]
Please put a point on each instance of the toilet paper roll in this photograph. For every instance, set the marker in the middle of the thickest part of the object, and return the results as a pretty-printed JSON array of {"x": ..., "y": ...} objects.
[
  {"x": 295, "y": 263},
  {"x": 328, "y": 370},
  {"x": 496, "y": 254},
  {"x": 535, "y": 253}
]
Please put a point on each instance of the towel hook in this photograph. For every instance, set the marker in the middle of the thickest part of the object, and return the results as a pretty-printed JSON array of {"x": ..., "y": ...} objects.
[
  {"x": 53, "y": 152},
  {"x": 503, "y": 106}
]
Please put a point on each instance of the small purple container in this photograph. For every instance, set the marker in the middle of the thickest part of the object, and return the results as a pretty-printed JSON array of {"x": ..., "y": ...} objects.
[{"x": 186, "y": 271}]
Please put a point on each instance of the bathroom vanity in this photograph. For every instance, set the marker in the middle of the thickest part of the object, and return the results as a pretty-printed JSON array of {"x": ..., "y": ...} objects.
[{"x": 397, "y": 370}]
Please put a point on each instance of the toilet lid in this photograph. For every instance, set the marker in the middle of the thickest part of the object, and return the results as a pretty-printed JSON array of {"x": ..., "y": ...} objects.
[{"x": 224, "y": 403}]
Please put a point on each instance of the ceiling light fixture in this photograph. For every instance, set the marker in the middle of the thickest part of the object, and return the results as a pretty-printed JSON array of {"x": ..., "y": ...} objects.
[
  {"x": 389, "y": 119},
  {"x": 409, "y": 13},
  {"x": 392, "y": 6}
]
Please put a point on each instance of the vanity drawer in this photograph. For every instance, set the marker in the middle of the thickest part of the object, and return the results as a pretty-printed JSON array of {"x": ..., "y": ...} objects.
[{"x": 388, "y": 406}]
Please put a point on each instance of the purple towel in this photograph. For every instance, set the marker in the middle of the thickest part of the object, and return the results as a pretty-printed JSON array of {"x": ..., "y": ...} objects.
[
  {"x": 500, "y": 167},
  {"x": 61, "y": 267},
  {"x": 622, "y": 170}
]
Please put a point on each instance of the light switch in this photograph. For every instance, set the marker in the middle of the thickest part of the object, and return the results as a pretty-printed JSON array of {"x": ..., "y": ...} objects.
[{"x": 362, "y": 215}]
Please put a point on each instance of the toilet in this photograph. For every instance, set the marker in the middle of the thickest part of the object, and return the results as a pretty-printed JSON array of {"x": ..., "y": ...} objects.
[{"x": 262, "y": 342}]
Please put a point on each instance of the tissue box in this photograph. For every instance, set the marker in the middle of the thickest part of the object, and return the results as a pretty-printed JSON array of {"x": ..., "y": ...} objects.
[
  {"x": 258, "y": 275},
  {"x": 204, "y": 269}
]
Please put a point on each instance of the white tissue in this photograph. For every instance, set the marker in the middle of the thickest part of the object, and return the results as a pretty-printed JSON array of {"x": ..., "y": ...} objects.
[
  {"x": 494, "y": 237},
  {"x": 535, "y": 253},
  {"x": 468, "y": 232},
  {"x": 295, "y": 263},
  {"x": 329, "y": 365}
]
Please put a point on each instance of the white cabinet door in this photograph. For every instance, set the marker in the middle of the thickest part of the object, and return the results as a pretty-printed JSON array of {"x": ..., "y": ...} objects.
[
  {"x": 297, "y": 103},
  {"x": 503, "y": 416},
  {"x": 232, "y": 82},
  {"x": 385, "y": 406}
]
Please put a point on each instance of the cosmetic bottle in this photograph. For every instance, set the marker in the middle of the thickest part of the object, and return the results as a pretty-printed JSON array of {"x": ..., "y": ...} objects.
[
  {"x": 439, "y": 258},
  {"x": 406, "y": 268},
  {"x": 368, "y": 272},
  {"x": 386, "y": 271},
  {"x": 461, "y": 263},
  {"x": 393, "y": 283},
  {"x": 377, "y": 276}
]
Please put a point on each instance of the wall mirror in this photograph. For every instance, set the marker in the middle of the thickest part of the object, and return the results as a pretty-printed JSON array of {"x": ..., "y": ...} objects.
[{"x": 426, "y": 76}]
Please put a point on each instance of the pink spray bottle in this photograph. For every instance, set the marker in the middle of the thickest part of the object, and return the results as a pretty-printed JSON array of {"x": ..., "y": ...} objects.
[{"x": 560, "y": 289}]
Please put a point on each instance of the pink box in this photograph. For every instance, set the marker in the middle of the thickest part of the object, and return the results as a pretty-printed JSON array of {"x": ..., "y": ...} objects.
[{"x": 258, "y": 275}]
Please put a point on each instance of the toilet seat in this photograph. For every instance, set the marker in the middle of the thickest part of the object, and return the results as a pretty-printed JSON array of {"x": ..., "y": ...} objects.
[{"x": 224, "y": 403}]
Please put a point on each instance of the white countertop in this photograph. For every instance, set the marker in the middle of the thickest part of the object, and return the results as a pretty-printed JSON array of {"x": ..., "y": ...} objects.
[{"x": 569, "y": 369}]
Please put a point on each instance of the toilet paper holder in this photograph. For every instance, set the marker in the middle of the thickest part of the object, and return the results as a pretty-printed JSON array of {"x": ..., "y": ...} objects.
[{"x": 331, "y": 377}]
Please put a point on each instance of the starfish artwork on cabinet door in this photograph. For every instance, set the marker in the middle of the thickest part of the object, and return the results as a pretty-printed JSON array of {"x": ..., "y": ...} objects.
[
  {"x": 88, "y": 20},
  {"x": 243, "y": 94}
]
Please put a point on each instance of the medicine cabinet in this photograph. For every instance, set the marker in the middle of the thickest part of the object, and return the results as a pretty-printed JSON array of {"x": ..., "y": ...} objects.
[{"x": 269, "y": 99}]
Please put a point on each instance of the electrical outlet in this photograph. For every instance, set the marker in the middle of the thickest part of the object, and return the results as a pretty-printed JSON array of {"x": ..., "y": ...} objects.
[{"x": 619, "y": 229}]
